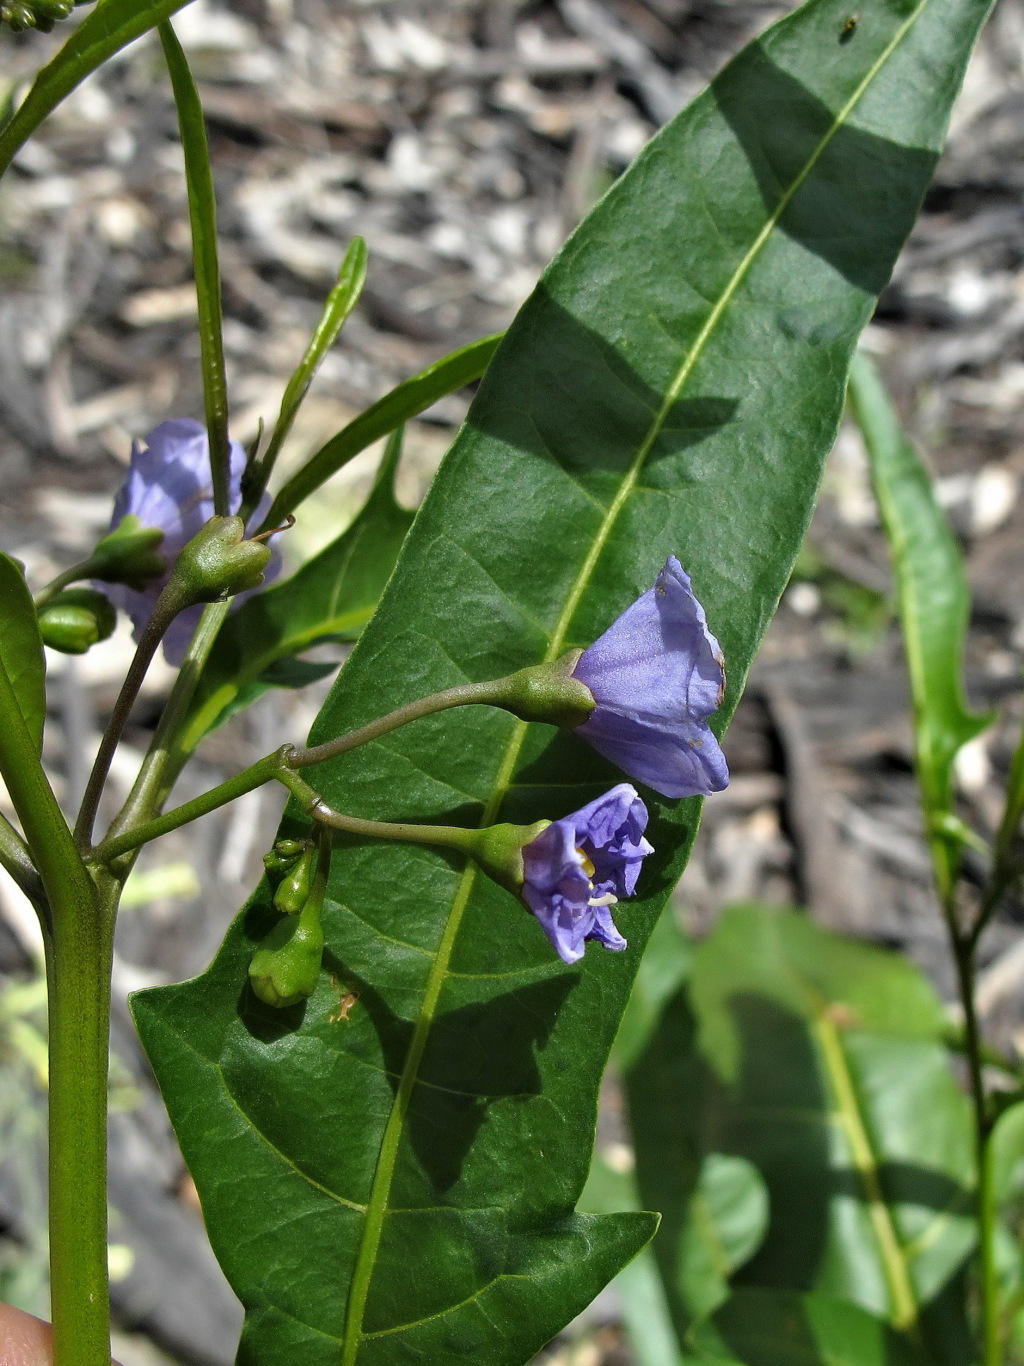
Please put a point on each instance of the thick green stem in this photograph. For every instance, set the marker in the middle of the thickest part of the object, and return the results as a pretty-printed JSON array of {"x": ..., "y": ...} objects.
[
  {"x": 78, "y": 976},
  {"x": 78, "y": 931}
]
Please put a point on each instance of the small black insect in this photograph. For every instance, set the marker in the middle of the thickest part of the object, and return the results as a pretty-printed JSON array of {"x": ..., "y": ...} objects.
[{"x": 849, "y": 27}]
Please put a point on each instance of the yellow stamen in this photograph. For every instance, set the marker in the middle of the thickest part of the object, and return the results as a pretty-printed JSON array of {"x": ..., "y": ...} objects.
[{"x": 588, "y": 867}]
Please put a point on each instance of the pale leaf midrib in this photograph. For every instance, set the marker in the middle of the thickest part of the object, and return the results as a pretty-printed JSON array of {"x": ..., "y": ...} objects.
[{"x": 384, "y": 1173}]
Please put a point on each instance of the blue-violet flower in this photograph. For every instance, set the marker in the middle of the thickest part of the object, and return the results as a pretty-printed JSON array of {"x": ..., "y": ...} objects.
[
  {"x": 169, "y": 487},
  {"x": 656, "y": 674},
  {"x": 578, "y": 867}
]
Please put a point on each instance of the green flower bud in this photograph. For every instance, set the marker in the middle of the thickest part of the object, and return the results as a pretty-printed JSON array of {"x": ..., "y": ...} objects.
[
  {"x": 128, "y": 554},
  {"x": 549, "y": 693},
  {"x": 75, "y": 619},
  {"x": 218, "y": 563},
  {"x": 39, "y": 14},
  {"x": 293, "y": 890},
  {"x": 286, "y": 966},
  {"x": 283, "y": 855}
]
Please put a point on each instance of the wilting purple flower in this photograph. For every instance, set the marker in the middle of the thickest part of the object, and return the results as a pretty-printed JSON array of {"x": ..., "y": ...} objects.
[
  {"x": 656, "y": 674},
  {"x": 578, "y": 867},
  {"x": 169, "y": 486}
]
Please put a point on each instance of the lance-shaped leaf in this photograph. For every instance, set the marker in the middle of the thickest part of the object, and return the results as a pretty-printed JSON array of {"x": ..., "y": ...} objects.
[
  {"x": 933, "y": 598},
  {"x": 820, "y": 1062},
  {"x": 21, "y": 648},
  {"x": 110, "y": 27},
  {"x": 389, "y": 1174},
  {"x": 202, "y": 214},
  {"x": 330, "y": 598}
]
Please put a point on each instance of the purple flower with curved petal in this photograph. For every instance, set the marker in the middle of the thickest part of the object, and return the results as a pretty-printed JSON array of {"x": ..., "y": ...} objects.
[
  {"x": 169, "y": 487},
  {"x": 656, "y": 674},
  {"x": 578, "y": 867}
]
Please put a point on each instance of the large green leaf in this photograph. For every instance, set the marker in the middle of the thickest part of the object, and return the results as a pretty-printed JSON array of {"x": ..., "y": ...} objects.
[
  {"x": 112, "y": 25},
  {"x": 819, "y": 1061},
  {"x": 398, "y": 1185},
  {"x": 21, "y": 647},
  {"x": 332, "y": 597},
  {"x": 933, "y": 597}
]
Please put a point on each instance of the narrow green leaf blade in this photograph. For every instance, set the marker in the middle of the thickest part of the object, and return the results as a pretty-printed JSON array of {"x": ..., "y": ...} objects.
[
  {"x": 337, "y": 308},
  {"x": 111, "y": 26},
  {"x": 672, "y": 386},
  {"x": 332, "y": 596},
  {"x": 932, "y": 585},
  {"x": 202, "y": 213},
  {"x": 403, "y": 403},
  {"x": 21, "y": 648}
]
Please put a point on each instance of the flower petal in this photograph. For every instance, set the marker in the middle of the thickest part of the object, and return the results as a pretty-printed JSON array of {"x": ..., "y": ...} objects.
[
  {"x": 658, "y": 661},
  {"x": 685, "y": 762}
]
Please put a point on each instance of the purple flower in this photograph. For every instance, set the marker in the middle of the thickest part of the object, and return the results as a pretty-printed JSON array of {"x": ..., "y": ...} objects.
[
  {"x": 169, "y": 487},
  {"x": 578, "y": 867},
  {"x": 656, "y": 674}
]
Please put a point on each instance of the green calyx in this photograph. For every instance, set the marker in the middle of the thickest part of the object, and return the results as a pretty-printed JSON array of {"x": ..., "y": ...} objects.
[
  {"x": 498, "y": 850},
  {"x": 217, "y": 563},
  {"x": 548, "y": 693},
  {"x": 75, "y": 619},
  {"x": 128, "y": 554}
]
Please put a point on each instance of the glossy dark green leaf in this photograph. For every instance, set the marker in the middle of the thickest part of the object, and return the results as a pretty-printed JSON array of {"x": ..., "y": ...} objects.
[
  {"x": 110, "y": 27},
  {"x": 405, "y": 401},
  {"x": 21, "y": 647},
  {"x": 934, "y": 599},
  {"x": 202, "y": 213},
  {"x": 672, "y": 386},
  {"x": 819, "y": 1061},
  {"x": 782, "y": 1328},
  {"x": 330, "y": 598}
]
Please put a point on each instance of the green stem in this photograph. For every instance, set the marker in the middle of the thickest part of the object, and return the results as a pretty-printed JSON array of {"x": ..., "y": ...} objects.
[
  {"x": 166, "y": 756},
  {"x": 78, "y": 934},
  {"x": 14, "y": 856},
  {"x": 83, "y": 570},
  {"x": 166, "y": 609},
  {"x": 78, "y": 976},
  {"x": 963, "y": 953},
  {"x": 465, "y": 841},
  {"x": 263, "y": 771},
  {"x": 491, "y": 693}
]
